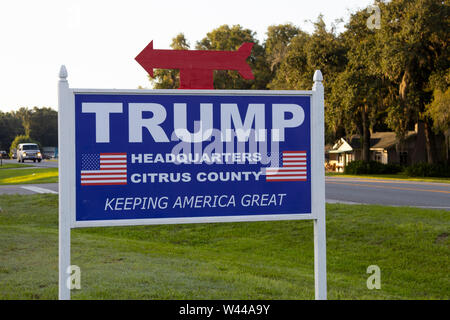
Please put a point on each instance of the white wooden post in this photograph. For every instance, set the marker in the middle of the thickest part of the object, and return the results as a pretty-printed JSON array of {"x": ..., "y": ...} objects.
[
  {"x": 318, "y": 188},
  {"x": 64, "y": 96}
]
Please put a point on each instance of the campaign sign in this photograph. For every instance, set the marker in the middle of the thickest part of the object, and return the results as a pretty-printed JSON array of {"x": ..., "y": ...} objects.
[{"x": 205, "y": 156}]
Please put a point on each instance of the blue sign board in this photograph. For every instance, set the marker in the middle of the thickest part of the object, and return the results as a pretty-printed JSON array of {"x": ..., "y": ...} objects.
[{"x": 183, "y": 156}]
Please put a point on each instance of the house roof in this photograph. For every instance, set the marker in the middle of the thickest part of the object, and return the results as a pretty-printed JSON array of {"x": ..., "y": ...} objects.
[
  {"x": 341, "y": 146},
  {"x": 378, "y": 140}
]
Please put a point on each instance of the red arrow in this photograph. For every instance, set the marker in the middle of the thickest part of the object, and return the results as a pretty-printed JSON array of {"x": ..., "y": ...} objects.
[{"x": 196, "y": 66}]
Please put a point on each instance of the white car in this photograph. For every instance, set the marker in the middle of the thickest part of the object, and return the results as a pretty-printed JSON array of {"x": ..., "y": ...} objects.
[{"x": 28, "y": 151}]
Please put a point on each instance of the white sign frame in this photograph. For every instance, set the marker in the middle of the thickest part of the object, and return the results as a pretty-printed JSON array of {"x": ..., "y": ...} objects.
[{"x": 67, "y": 176}]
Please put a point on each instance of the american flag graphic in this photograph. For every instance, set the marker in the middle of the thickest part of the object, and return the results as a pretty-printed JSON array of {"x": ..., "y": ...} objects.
[
  {"x": 103, "y": 169},
  {"x": 293, "y": 167}
]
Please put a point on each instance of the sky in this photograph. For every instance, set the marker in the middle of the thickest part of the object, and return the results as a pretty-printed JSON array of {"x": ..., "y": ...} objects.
[{"x": 97, "y": 40}]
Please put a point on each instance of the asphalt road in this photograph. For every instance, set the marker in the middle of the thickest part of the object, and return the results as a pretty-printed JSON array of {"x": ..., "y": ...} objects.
[
  {"x": 338, "y": 190},
  {"x": 388, "y": 192}
]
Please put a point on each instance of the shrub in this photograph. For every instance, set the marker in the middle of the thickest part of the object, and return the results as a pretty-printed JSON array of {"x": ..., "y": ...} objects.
[
  {"x": 428, "y": 170},
  {"x": 371, "y": 167}
]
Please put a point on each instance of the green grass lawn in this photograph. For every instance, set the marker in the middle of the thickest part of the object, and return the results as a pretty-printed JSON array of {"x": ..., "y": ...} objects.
[
  {"x": 14, "y": 165},
  {"x": 398, "y": 176},
  {"x": 24, "y": 176},
  {"x": 258, "y": 260}
]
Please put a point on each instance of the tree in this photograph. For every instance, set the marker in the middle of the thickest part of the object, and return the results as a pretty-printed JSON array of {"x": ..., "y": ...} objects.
[
  {"x": 10, "y": 126},
  {"x": 39, "y": 124},
  {"x": 439, "y": 110},
  {"x": 323, "y": 50},
  {"x": 24, "y": 115},
  {"x": 276, "y": 45},
  {"x": 355, "y": 97},
  {"x": 326, "y": 52},
  {"x": 293, "y": 71},
  {"x": 414, "y": 41},
  {"x": 43, "y": 126}
]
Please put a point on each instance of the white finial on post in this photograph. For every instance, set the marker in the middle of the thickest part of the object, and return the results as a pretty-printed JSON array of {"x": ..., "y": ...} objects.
[
  {"x": 63, "y": 73},
  {"x": 318, "y": 78}
]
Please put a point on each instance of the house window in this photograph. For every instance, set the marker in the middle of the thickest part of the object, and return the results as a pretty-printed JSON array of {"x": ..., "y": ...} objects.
[{"x": 403, "y": 158}]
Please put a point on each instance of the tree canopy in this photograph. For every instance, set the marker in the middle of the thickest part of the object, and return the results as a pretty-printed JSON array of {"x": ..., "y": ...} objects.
[
  {"x": 386, "y": 78},
  {"x": 38, "y": 124},
  {"x": 391, "y": 77}
]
